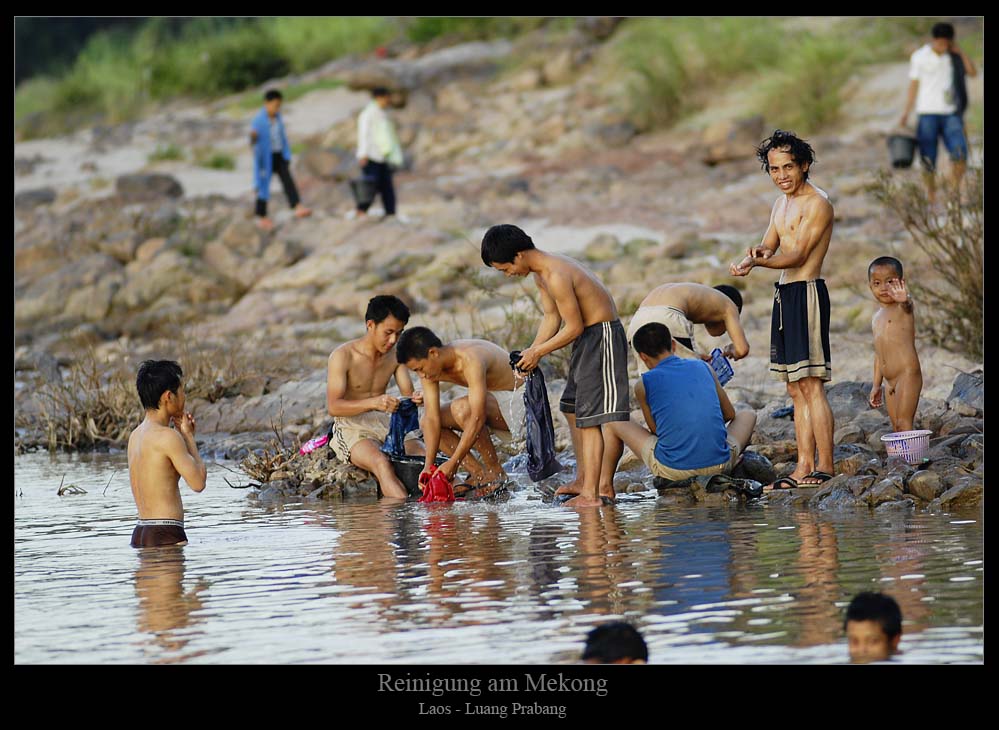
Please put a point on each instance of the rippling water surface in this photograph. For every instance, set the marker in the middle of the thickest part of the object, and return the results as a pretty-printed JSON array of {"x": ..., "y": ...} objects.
[{"x": 517, "y": 582}]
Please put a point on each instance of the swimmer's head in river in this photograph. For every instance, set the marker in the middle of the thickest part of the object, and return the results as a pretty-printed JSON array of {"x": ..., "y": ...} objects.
[
  {"x": 503, "y": 247},
  {"x": 786, "y": 158},
  {"x": 159, "y": 385},
  {"x": 882, "y": 272},
  {"x": 385, "y": 319},
  {"x": 272, "y": 101},
  {"x": 419, "y": 349},
  {"x": 873, "y": 626},
  {"x": 615, "y": 643}
]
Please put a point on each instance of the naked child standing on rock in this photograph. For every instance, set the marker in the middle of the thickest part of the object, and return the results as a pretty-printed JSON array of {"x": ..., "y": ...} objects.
[
  {"x": 357, "y": 376},
  {"x": 596, "y": 391},
  {"x": 158, "y": 456},
  {"x": 801, "y": 224}
]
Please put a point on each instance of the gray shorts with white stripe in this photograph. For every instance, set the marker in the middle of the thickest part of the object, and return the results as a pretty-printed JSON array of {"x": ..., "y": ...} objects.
[{"x": 597, "y": 388}]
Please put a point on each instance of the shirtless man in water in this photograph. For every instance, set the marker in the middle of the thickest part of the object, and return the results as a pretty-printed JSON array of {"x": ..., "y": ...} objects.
[
  {"x": 492, "y": 400},
  {"x": 357, "y": 376},
  {"x": 158, "y": 456},
  {"x": 596, "y": 390},
  {"x": 896, "y": 362},
  {"x": 801, "y": 224},
  {"x": 678, "y": 306}
]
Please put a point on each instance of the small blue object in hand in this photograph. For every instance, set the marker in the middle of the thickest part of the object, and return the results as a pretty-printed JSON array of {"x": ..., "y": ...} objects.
[{"x": 719, "y": 363}]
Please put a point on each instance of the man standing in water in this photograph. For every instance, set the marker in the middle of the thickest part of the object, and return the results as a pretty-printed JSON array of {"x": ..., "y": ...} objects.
[
  {"x": 801, "y": 224},
  {"x": 159, "y": 455},
  {"x": 596, "y": 391}
]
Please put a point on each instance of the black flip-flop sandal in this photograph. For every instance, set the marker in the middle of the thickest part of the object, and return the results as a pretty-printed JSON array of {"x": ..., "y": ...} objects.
[
  {"x": 822, "y": 476},
  {"x": 791, "y": 484}
]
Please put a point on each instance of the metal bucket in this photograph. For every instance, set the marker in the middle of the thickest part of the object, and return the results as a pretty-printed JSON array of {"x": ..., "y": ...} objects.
[
  {"x": 903, "y": 149},
  {"x": 364, "y": 189}
]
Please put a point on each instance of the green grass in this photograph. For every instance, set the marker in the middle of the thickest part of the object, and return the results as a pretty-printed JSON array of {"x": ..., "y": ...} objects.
[
  {"x": 214, "y": 159},
  {"x": 167, "y": 152}
]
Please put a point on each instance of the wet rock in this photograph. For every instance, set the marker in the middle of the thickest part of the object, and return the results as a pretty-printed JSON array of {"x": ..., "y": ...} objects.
[
  {"x": 972, "y": 447},
  {"x": 860, "y": 484},
  {"x": 967, "y": 492},
  {"x": 29, "y": 199},
  {"x": 777, "y": 451},
  {"x": 851, "y": 433},
  {"x": 848, "y": 400},
  {"x": 731, "y": 139},
  {"x": 887, "y": 490},
  {"x": 926, "y": 485},
  {"x": 140, "y": 187},
  {"x": 967, "y": 396},
  {"x": 837, "y": 483},
  {"x": 755, "y": 466}
]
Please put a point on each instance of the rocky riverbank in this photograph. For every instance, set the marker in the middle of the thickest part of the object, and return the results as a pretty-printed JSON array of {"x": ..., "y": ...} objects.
[{"x": 119, "y": 257}]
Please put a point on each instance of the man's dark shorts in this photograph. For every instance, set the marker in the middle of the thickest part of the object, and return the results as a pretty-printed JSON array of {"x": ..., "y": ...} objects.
[
  {"x": 597, "y": 388},
  {"x": 799, "y": 331}
]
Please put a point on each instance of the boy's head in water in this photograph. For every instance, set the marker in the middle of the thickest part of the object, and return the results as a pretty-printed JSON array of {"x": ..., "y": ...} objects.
[
  {"x": 615, "y": 643},
  {"x": 873, "y": 627}
]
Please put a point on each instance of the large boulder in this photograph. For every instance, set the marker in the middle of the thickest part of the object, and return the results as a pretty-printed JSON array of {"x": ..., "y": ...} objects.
[
  {"x": 28, "y": 199},
  {"x": 731, "y": 139},
  {"x": 140, "y": 187},
  {"x": 47, "y": 296},
  {"x": 967, "y": 396}
]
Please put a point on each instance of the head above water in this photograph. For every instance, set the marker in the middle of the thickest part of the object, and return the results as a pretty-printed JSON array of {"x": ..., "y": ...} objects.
[
  {"x": 873, "y": 626},
  {"x": 158, "y": 383},
  {"x": 501, "y": 245},
  {"x": 800, "y": 151},
  {"x": 419, "y": 350},
  {"x": 615, "y": 643},
  {"x": 384, "y": 320},
  {"x": 653, "y": 340}
]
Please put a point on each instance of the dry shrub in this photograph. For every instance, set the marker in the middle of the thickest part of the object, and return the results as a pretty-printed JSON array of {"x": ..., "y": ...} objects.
[
  {"x": 95, "y": 405},
  {"x": 952, "y": 289},
  {"x": 518, "y": 328}
]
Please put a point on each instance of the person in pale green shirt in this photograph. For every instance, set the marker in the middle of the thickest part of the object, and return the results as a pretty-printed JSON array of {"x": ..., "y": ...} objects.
[{"x": 378, "y": 149}]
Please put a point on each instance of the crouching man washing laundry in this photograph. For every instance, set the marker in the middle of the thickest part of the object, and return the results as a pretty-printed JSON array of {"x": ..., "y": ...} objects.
[
  {"x": 357, "y": 377},
  {"x": 493, "y": 401},
  {"x": 686, "y": 410}
]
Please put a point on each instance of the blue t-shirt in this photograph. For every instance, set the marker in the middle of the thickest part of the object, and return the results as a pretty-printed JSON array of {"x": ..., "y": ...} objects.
[{"x": 684, "y": 402}]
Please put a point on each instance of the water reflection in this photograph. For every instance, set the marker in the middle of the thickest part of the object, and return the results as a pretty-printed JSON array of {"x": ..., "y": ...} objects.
[
  {"x": 165, "y": 608},
  {"x": 335, "y": 581}
]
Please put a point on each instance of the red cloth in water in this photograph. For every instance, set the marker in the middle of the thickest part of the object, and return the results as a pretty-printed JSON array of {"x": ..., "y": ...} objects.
[{"x": 436, "y": 487}]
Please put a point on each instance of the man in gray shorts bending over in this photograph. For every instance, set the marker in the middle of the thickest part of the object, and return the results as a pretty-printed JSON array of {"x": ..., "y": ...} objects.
[
  {"x": 680, "y": 306},
  {"x": 596, "y": 391},
  {"x": 493, "y": 399}
]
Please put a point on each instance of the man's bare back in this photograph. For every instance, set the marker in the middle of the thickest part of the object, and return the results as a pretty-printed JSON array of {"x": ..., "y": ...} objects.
[
  {"x": 152, "y": 474},
  {"x": 595, "y": 303},
  {"x": 479, "y": 355}
]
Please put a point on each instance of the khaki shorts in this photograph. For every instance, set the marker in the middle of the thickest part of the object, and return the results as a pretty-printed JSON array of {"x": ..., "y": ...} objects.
[
  {"x": 659, "y": 469},
  {"x": 674, "y": 319},
  {"x": 511, "y": 404},
  {"x": 348, "y": 430}
]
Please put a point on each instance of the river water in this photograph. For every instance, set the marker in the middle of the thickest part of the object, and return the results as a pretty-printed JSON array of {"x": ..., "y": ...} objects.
[{"x": 519, "y": 582}]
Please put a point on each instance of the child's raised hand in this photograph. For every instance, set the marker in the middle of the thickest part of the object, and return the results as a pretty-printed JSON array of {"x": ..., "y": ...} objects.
[
  {"x": 896, "y": 287},
  {"x": 876, "y": 398}
]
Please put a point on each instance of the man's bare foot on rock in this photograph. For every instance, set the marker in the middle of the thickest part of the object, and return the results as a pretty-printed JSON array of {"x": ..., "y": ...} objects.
[
  {"x": 572, "y": 487},
  {"x": 582, "y": 501},
  {"x": 302, "y": 212}
]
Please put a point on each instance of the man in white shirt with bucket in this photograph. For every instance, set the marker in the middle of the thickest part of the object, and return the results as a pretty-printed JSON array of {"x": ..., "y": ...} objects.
[
  {"x": 939, "y": 99},
  {"x": 378, "y": 149}
]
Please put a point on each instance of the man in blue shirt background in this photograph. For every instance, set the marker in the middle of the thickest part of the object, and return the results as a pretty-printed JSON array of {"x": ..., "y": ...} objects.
[
  {"x": 686, "y": 410},
  {"x": 271, "y": 154}
]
